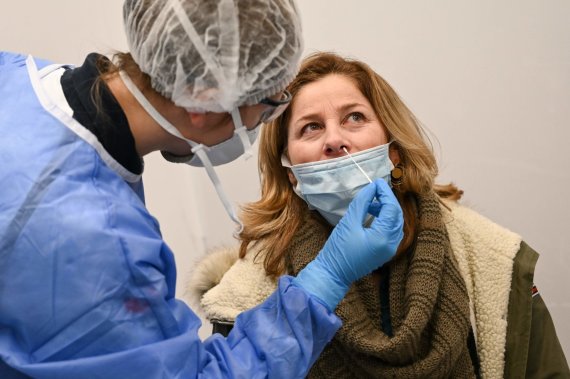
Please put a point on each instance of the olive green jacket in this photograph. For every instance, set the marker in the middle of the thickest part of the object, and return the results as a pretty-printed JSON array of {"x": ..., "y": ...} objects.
[{"x": 532, "y": 348}]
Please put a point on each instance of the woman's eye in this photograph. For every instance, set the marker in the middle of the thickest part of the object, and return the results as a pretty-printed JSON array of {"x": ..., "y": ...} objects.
[
  {"x": 355, "y": 117},
  {"x": 309, "y": 128}
]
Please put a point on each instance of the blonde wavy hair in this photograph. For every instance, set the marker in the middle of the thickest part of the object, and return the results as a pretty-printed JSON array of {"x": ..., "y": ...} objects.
[{"x": 272, "y": 221}]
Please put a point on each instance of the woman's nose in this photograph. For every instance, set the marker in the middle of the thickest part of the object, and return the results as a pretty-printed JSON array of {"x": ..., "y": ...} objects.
[{"x": 335, "y": 143}]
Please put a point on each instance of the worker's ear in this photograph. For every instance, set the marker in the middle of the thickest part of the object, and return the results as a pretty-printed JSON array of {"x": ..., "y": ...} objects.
[{"x": 197, "y": 119}]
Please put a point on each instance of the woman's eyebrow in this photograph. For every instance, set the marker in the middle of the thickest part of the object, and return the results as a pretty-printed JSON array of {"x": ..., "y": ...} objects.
[
  {"x": 348, "y": 106},
  {"x": 307, "y": 117},
  {"x": 314, "y": 114}
]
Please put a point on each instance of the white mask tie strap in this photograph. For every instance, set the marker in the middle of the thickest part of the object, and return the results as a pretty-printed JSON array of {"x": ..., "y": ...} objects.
[
  {"x": 198, "y": 149},
  {"x": 219, "y": 189},
  {"x": 241, "y": 131},
  {"x": 150, "y": 109}
]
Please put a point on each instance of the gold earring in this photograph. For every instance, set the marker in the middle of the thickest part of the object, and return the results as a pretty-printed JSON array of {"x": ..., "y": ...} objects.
[{"x": 397, "y": 175}]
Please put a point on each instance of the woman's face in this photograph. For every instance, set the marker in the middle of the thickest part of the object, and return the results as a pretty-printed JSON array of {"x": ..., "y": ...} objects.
[{"x": 329, "y": 115}]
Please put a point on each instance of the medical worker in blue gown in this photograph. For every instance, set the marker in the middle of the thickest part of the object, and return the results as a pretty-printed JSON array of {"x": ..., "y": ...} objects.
[{"x": 86, "y": 280}]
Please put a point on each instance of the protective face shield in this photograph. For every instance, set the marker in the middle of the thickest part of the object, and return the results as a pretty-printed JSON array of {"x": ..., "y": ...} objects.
[{"x": 330, "y": 185}]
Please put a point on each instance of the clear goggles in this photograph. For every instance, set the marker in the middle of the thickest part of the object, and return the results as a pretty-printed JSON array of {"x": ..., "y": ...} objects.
[{"x": 274, "y": 108}]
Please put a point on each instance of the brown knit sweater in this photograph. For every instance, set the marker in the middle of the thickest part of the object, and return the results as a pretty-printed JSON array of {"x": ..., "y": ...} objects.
[{"x": 428, "y": 310}]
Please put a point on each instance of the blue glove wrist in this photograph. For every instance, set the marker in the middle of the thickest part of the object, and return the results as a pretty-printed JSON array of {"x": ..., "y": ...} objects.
[{"x": 322, "y": 284}]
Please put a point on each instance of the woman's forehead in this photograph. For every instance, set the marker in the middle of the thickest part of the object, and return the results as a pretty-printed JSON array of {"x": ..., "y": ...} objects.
[{"x": 336, "y": 91}]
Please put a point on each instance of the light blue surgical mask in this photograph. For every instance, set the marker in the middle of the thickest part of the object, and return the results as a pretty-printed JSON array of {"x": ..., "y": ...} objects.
[{"x": 330, "y": 185}]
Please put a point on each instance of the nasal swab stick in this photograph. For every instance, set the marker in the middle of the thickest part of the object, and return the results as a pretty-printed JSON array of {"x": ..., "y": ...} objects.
[{"x": 357, "y": 165}]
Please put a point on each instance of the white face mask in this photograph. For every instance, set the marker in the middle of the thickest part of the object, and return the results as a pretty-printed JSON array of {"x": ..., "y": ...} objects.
[
  {"x": 232, "y": 148},
  {"x": 202, "y": 155},
  {"x": 330, "y": 185}
]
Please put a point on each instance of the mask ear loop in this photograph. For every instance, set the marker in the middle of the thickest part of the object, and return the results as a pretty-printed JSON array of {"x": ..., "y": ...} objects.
[{"x": 198, "y": 149}]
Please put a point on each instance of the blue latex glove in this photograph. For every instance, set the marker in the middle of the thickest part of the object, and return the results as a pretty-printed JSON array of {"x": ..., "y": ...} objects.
[{"x": 353, "y": 250}]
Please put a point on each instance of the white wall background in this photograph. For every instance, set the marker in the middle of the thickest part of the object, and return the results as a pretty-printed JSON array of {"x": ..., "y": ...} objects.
[{"x": 489, "y": 79}]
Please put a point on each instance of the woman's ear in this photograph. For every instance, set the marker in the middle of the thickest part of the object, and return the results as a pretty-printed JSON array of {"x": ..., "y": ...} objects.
[
  {"x": 292, "y": 178},
  {"x": 394, "y": 153},
  {"x": 290, "y": 175}
]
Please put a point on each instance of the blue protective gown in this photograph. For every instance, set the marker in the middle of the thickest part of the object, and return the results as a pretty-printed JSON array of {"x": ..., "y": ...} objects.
[{"x": 86, "y": 281}]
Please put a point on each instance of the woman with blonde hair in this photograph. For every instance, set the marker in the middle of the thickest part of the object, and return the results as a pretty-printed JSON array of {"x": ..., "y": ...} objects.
[{"x": 438, "y": 308}]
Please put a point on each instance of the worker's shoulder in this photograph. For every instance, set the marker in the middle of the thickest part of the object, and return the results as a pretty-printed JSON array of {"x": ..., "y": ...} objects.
[{"x": 13, "y": 59}]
